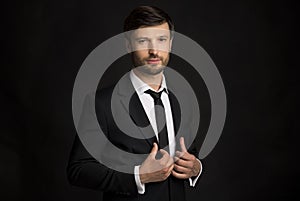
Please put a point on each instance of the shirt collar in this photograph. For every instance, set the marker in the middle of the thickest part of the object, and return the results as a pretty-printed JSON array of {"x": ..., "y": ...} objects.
[{"x": 140, "y": 86}]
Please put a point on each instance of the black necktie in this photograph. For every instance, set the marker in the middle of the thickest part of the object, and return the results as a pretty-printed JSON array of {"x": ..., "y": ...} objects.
[{"x": 160, "y": 118}]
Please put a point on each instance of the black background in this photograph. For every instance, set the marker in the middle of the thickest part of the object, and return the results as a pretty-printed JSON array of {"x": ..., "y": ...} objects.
[{"x": 253, "y": 44}]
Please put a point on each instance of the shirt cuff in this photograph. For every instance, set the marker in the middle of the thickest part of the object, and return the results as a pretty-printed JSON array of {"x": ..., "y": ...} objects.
[
  {"x": 193, "y": 181},
  {"x": 140, "y": 186}
]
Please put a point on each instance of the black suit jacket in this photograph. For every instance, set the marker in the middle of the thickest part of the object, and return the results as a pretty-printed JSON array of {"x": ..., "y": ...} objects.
[{"x": 84, "y": 170}]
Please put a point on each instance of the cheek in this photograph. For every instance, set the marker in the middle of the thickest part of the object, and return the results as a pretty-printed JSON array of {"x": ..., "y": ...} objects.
[
  {"x": 140, "y": 55},
  {"x": 165, "y": 55}
]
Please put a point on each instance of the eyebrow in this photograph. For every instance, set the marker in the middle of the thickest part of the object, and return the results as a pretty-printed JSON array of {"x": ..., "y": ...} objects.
[
  {"x": 162, "y": 36},
  {"x": 138, "y": 38}
]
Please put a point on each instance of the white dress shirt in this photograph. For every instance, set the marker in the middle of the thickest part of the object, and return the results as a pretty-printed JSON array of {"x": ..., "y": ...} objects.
[{"x": 148, "y": 105}]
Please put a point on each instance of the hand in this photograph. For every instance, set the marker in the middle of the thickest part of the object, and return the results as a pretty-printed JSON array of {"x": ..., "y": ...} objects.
[
  {"x": 153, "y": 170},
  {"x": 186, "y": 165}
]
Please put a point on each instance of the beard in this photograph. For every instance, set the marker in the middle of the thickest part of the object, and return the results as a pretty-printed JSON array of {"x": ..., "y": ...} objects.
[{"x": 152, "y": 69}]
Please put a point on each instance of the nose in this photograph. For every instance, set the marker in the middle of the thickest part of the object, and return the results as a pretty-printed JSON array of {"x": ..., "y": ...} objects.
[{"x": 152, "y": 49}]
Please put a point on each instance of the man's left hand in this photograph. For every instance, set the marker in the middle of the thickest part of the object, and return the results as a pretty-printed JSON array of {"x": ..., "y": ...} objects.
[{"x": 186, "y": 164}]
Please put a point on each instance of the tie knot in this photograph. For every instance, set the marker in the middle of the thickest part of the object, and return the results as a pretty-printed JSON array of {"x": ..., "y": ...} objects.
[{"x": 153, "y": 94}]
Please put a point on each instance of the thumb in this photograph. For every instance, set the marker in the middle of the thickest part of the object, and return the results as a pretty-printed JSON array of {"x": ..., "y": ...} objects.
[
  {"x": 182, "y": 145},
  {"x": 154, "y": 150}
]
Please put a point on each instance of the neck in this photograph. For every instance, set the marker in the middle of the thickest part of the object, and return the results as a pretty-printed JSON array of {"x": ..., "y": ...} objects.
[{"x": 154, "y": 81}]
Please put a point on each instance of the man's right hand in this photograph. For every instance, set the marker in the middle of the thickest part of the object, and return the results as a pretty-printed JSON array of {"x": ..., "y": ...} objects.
[{"x": 153, "y": 170}]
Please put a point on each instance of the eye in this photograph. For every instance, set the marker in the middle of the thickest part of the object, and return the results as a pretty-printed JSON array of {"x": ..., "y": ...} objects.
[
  {"x": 162, "y": 39},
  {"x": 141, "y": 41}
]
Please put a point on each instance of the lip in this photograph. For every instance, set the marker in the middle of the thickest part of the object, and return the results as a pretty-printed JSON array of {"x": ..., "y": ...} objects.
[{"x": 153, "y": 61}]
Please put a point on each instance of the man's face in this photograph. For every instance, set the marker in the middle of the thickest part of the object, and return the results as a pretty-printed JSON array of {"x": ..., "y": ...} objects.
[{"x": 151, "y": 46}]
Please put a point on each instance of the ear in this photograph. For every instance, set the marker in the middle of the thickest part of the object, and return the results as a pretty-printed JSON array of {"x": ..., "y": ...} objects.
[
  {"x": 128, "y": 45},
  {"x": 170, "y": 46}
]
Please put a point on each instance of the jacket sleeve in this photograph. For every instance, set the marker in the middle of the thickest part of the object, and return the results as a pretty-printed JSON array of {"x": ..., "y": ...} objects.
[
  {"x": 194, "y": 149},
  {"x": 84, "y": 170}
]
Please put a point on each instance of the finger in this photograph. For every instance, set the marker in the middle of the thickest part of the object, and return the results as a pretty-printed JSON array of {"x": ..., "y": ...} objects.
[
  {"x": 184, "y": 163},
  {"x": 179, "y": 175},
  {"x": 185, "y": 156},
  {"x": 182, "y": 145},
  {"x": 181, "y": 169},
  {"x": 170, "y": 161},
  {"x": 163, "y": 152},
  {"x": 169, "y": 171},
  {"x": 176, "y": 159},
  {"x": 154, "y": 150},
  {"x": 171, "y": 168},
  {"x": 164, "y": 160},
  {"x": 165, "y": 157},
  {"x": 179, "y": 154}
]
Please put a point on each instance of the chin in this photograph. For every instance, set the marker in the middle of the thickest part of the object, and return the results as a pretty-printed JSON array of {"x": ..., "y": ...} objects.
[{"x": 153, "y": 70}]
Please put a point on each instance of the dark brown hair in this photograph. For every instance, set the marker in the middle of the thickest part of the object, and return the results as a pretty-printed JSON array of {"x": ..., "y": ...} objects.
[{"x": 144, "y": 16}]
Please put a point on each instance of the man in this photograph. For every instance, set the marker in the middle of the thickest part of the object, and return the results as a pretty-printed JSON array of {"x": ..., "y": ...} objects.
[{"x": 161, "y": 175}]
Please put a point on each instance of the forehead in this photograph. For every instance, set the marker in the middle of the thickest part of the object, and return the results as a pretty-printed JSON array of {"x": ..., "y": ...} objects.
[{"x": 152, "y": 31}]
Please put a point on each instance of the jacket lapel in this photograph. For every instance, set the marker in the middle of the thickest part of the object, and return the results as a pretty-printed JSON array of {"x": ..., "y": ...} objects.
[
  {"x": 132, "y": 105},
  {"x": 176, "y": 113}
]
